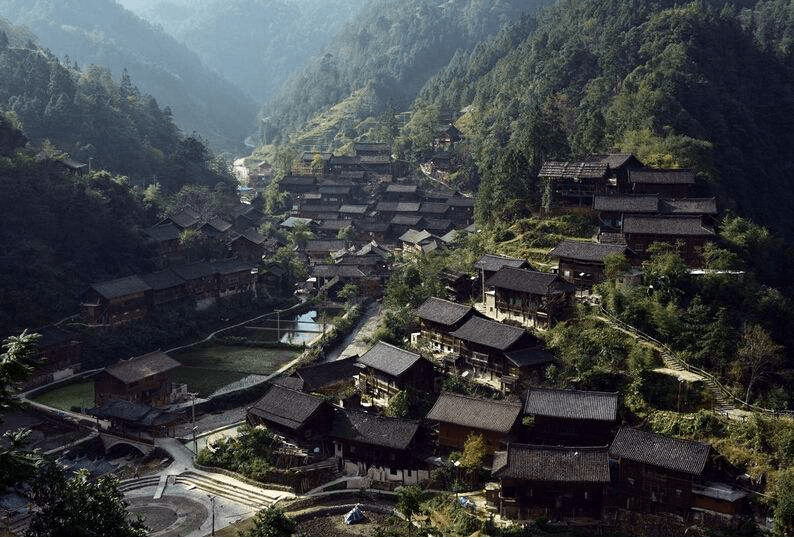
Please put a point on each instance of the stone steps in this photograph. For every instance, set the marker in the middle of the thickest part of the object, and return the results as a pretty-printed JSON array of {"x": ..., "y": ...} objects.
[
  {"x": 131, "y": 484},
  {"x": 238, "y": 492}
]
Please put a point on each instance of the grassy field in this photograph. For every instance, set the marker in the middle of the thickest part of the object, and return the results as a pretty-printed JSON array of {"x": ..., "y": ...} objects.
[
  {"x": 205, "y": 381},
  {"x": 75, "y": 394},
  {"x": 240, "y": 359}
]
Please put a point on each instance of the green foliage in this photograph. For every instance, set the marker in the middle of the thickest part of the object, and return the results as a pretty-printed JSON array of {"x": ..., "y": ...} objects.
[
  {"x": 399, "y": 405},
  {"x": 272, "y": 521},
  {"x": 615, "y": 265},
  {"x": 251, "y": 453},
  {"x": 408, "y": 500},
  {"x": 784, "y": 503},
  {"x": 80, "y": 506},
  {"x": 474, "y": 451}
]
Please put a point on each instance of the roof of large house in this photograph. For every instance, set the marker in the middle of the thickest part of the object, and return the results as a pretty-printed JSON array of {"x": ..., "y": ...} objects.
[
  {"x": 585, "y": 170},
  {"x": 286, "y": 407},
  {"x": 691, "y": 206},
  {"x": 328, "y": 270},
  {"x": 291, "y": 222},
  {"x": 661, "y": 451},
  {"x": 120, "y": 287},
  {"x": 614, "y": 160},
  {"x": 648, "y": 203},
  {"x": 574, "y": 404},
  {"x": 662, "y": 176},
  {"x": 530, "y": 356},
  {"x": 415, "y": 237},
  {"x": 227, "y": 267},
  {"x": 192, "y": 271},
  {"x": 528, "y": 281},
  {"x": 438, "y": 226},
  {"x": 252, "y": 236},
  {"x": 402, "y": 219},
  {"x": 141, "y": 414},
  {"x": 553, "y": 464},
  {"x": 666, "y": 225},
  {"x": 460, "y": 201},
  {"x": 141, "y": 367},
  {"x": 161, "y": 280},
  {"x": 389, "y": 359},
  {"x": 184, "y": 218},
  {"x": 373, "y": 429},
  {"x": 402, "y": 188},
  {"x": 468, "y": 411},
  {"x": 298, "y": 180},
  {"x": 586, "y": 251},
  {"x": 356, "y": 209},
  {"x": 334, "y": 189},
  {"x": 434, "y": 208},
  {"x": 494, "y": 262},
  {"x": 163, "y": 232},
  {"x": 443, "y": 311},
  {"x": 398, "y": 207},
  {"x": 489, "y": 333},
  {"x": 328, "y": 373},
  {"x": 325, "y": 245}
]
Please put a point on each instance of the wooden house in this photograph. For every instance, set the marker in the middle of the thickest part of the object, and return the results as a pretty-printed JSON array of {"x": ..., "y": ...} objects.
[
  {"x": 401, "y": 192},
  {"x": 345, "y": 163},
  {"x": 301, "y": 417},
  {"x": 461, "y": 210},
  {"x": 687, "y": 231},
  {"x": 182, "y": 219},
  {"x": 115, "y": 301},
  {"x": 58, "y": 355},
  {"x": 248, "y": 245},
  {"x": 570, "y": 417},
  {"x": 234, "y": 277},
  {"x": 165, "y": 238},
  {"x": 559, "y": 483},
  {"x": 438, "y": 318},
  {"x": 582, "y": 263},
  {"x": 419, "y": 242},
  {"x": 532, "y": 298},
  {"x": 319, "y": 250},
  {"x": 505, "y": 357},
  {"x": 611, "y": 209},
  {"x": 457, "y": 416},
  {"x": 385, "y": 370},
  {"x": 216, "y": 228},
  {"x": 670, "y": 183},
  {"x": 434, "y": 210},
  {"x": 326, "y": 377},
  {"x": 400, "y": 224},
  {"x": 200, "y": 280},
  {"x": 371, "y": 149},
  {"x": 166, "y": 287},
  {"x": 145, "y": 379},
  {"x": 657, "y": 473},
  {"x": 331, "y": 228},
  {"x": 353, "y": 211},
  {"x": 387, "y": 210},
  {"x": 489, "y": 264},
  {"x": 576, "y": 183},
  {"x": 297, "y": 184},
  {"x": 382, "y": 449},
  {"x": 137, "y": 420}
]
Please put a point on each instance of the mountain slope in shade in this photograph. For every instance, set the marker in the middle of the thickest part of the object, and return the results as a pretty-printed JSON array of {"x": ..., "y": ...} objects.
[{"x": 104, "y": 33}]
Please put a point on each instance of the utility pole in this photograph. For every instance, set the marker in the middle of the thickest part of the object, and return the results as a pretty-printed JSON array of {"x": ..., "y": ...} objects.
[
  {"x": 212, "y": 501},
  {"x": 193, "y": 413}
]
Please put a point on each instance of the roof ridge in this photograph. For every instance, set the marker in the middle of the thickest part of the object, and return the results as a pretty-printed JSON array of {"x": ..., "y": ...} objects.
[{"x": 549, "y": 389}]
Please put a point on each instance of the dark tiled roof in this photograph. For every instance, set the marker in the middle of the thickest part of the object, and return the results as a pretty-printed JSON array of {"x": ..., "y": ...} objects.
[
  {"x": 659, "y": 450},
  {"x": 52, "y": 335},
  {"x": 586, "y": 170},
  {"x": 663, "y": 225},
  {"x": 378, "y": 147},
  {"x": 253, "y": 236},
  {"x": 139, "y": 413},
  {"x": 434, "y": 208},
  {"x": 586, "y": 251},
  {"x": 164, "y": 279},
  {"x": 331, "y": 208},
  {"x": 227, "y": 267},
  {"x": 627, "y": 204},
  {"x": 320, "y": 245},
  {"x": 489, "y": 333},
  {"x": 298, "y": 181},
  {"x": 327, "y": 373},
  {"x": 335, "y": 224},
  {"x": 691, "y": 206},
  {"x": 659, "y": 176},
  {"x": 184, "y": 218},
  {"x": 290, "y": 382},
  {"x": 192, "y": 271},
  {"x": 612, "y": 238},
  {"x": 534, "y": 282},
  {"x": 575, "y": 404},
  {"x": 219, "y": 224},
  {"x": 494, "y": 262},
  {"x": 292, "y": 222},
  {"x": 286, "y": 407},
  {"x": 613, "y": 160},
  {"x": 355, "y": 209},
  {"x": 438, "y": 225},
  {"x": 334, "y": 189},
  {"x": 531, "y": 356},
  {"x": 415, "y": 237},
  {"x": 389, "y": 359},
  {"x": 373, "y": 248},
  {"x": 556, "y": 464},
  {"x": 401, "y": 188},
  {"x": 163, "y": 232},
  {"x": 460, "y": 201},
  {"x": 373, "y": 429},
  {"x": 375, "y": 159},
  {"x": 142, "y": 367},
  {"x": 324, "y": 270},
  {"x": 443, "y": 311},
  {"x": 407, "y": 220},
  {"x": 120, "y": 287},
  {"x": 398, "y": 207},
  {"x": 470, "y": 412}
]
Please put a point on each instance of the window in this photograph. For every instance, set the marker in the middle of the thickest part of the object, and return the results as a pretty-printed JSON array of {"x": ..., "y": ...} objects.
[
  {"x": 392, "y": 471},
  {"x": 408, "y": 473}
]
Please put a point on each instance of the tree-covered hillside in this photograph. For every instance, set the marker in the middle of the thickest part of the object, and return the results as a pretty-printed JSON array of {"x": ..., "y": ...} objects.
[
  {"x": 256, "y": 44},
  {"x": 394, "y": 47},
  {"x": 701, "y": 85},
  {"x": 89, "y": 115},
  {"x": 101, "y": 32}
]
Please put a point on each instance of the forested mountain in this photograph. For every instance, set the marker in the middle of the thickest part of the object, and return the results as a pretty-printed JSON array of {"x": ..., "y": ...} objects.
[
  {"x": 102, "y": 32},
  {"x": 90, "y": 116},
  {"x": 59, "y": 232},
  {"x": 256, "y": 44},
  {"x": 392, "y": 47},
  {"x": 701, "y": 85}
]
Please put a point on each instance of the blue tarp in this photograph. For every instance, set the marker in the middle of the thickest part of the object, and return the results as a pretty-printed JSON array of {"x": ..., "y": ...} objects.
[{"x": 355, "y": 515}]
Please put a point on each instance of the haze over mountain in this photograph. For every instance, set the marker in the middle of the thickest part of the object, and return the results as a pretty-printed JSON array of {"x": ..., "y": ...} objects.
[
  {"x": 256, "y": 44},
  {"x": 102, "y": 32},
  {"x": 391, "y": 48}
]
